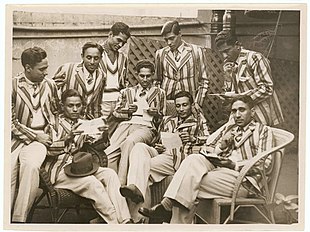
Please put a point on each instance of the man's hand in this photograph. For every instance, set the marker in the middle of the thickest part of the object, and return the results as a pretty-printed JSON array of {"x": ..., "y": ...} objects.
[
  {"x": 224, "y": 162},
  {"x": 44, "y": 139},
  {"x": 227, "y": 140},
  {"x": 185, "y": 137},
  {"x": 228, "y": 67},
  {"x": 132, "y": 108},
  {"x": 153, "y": 111},
  {"x": 104, "y": 128},
  {"x": 160, "y": 148},
  {"x": 74, "y": 131}
]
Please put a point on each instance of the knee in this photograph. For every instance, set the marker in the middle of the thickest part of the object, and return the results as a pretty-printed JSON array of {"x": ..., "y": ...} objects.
[
  {"x": 193, "y": 158},
  {"x": 139, "y": 150}
]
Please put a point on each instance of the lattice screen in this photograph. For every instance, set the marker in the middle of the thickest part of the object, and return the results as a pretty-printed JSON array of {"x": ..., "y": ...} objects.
[{"x": 285, "y": 75}]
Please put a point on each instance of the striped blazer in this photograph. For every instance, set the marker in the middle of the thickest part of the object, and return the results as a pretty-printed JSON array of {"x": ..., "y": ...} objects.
[
  {"x": 71, "y": 76},
  {"x": 59, "y": 153},
  {"x": 190, "y": 75},
  {"x": 194, "y": 126},
  {"x": 156, "y": 98},
  {"x": 255, "y": 139},
  {"x": 122, "y": 64},
  {"x": 253, "y": 78},
  {"x": 22, "y": 110}
]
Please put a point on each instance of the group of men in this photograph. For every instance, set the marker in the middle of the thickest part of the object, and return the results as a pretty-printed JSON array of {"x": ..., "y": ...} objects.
[{"x": 47, "y": 114}]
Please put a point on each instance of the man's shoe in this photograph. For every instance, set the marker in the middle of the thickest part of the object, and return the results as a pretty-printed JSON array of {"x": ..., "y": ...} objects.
[
  {"x": 132, "y": 192},
  {"x": 157, "y": 211}
]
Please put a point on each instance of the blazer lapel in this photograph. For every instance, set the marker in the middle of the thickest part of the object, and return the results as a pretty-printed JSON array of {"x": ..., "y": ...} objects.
[
  {"x": 79, "y": 77},
  {"x": 185, "y": 55},
  {"x": 24, "y": 93},
  {"x": 170, "y": 59}
]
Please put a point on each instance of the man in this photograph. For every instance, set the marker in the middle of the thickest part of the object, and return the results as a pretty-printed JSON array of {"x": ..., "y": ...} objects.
[
  {"x": 102, "y": 186},
  {"x": 34, "y": 114},
  {"x": 248, "y": 73},
  {"x": 152, "y": 163},
  {"x": 202, "y": 177},
  {"x": 140, "y": 106},
  {"x": 181, "y": 66},
  {"x": 86, "y": 77},
  {"x": 114, "y": 66}
]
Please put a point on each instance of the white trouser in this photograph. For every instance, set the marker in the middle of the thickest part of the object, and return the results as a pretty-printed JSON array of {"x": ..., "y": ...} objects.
[
  {"x": 103, "y": 189},
  {"x": 107, "y": 108},
  {"x": 198, "y": 178},
  {"x": 26, "y": 161},
  {"x": 122, "y": 142}
]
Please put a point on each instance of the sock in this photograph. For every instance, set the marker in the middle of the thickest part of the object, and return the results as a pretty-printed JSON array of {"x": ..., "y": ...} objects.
[{"x": 167, "y": 203}]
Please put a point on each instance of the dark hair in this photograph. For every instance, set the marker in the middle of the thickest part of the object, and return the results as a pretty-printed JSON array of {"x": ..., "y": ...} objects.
[
  {"x": 120, "y": 27},
  {"x": 184, "y": 94},
  {"x": 171, "y": 26},
  {"x": 92, "y": 45},
  {"x": 225, "y": 36},
  {"x": 32, "y": 56},
  {"x": 145, "y": 64},
  {"x": 245, "y": 99},
  {"x": 71, "y": 93}
]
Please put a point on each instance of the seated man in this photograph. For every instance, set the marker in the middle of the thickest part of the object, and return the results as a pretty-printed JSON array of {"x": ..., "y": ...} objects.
[
  {"x": 102, "y": 184},
  {"x": 34, "y": 111},
  {"x": 202, "y": 177},
  {"x": 149, "y": 164},
  {"x": 137, "y": 105}
]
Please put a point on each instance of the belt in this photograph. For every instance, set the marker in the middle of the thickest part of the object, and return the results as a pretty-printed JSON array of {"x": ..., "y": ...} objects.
[{"x": 110, "y": 90}]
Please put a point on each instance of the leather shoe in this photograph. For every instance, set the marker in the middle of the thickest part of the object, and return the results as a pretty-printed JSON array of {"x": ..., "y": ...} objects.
[
  {"x": 132, "y": 192},
  {"x": 157, "y": 211}
]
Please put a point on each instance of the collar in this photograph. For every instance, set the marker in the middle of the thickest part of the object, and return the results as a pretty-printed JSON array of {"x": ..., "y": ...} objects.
[
  {"x": 29, "y": 82},
  {"x": 180, "y": 48},
  {"x": 251, "y": 125},
  {"x": 189, "y": 119},
  {"x": 71, "y": 122}
]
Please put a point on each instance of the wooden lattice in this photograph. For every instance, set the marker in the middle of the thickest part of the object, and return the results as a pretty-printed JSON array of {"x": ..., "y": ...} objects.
[
  {"x": 285, "y": 75},
  {"x": 286, "y": 82}
]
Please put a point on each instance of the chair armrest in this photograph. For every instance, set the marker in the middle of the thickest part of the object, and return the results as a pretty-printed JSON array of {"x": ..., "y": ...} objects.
[{"x": 243, "y": 174}]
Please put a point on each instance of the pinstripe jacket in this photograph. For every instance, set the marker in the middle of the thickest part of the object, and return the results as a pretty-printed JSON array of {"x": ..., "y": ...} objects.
[
  {"x": 189, "y": 75},
  {"x": 195, "y": 127},
  {"x": 71, "y": 76},
  {"x": 122, "y": 63},
  {"x": 255, "y": 139},
  {"x": 253, "y": 78},
  {"x": 22, "y": 110},
  {"x": 59, "y": 153},
  {"x": 156, "y": 98}
]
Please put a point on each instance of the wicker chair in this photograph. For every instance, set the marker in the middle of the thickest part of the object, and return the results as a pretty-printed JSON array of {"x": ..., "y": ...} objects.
[
  {"x": 262, "y": 202},
  {"x": 62, "y": 200}
]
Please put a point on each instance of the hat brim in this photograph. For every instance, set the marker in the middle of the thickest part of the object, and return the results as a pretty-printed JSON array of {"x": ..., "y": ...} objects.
[{"x": 68, "y": 172}]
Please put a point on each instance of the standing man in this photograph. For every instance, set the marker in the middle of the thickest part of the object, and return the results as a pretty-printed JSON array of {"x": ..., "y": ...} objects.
[
  {"x": 114, "y": 66},
  {"x": 86, "y": 77},
  {"x": 152, "y": 163},
  {"x": 101, "y": 185},
  {"x": 181, "y": 66},
  {"x": 248, "y": 73},
  {"x": 202, "y": 177},
  {"x": 34, "y": 115},
  {"x": 139, "y": 106}
]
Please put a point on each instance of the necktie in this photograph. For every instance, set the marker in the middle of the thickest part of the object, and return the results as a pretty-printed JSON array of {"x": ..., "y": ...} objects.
[
  {"x": 239, "y": 134},
  {"x": 143, "y": 93},
  {"x": 36, "y": 96},
  {"x": 90, "y": 79},
  {"x": 176, "y": 56}
]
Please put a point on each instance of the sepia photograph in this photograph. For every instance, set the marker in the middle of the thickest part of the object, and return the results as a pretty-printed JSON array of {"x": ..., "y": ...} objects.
[{"x": 162, "y": 116}]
